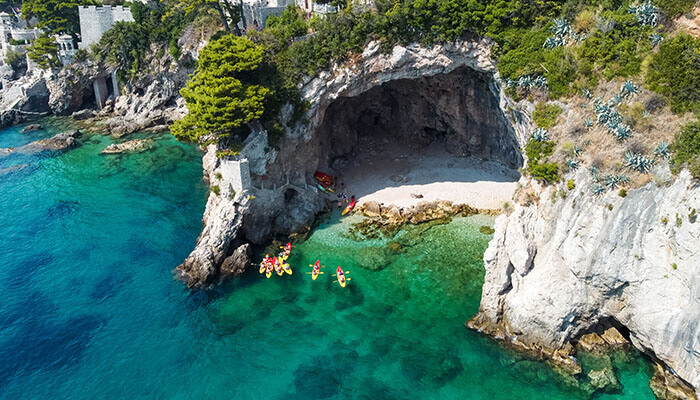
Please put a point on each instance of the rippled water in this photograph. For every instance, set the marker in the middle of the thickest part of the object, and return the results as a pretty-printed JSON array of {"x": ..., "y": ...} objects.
[{"x": 89, "y": 308}]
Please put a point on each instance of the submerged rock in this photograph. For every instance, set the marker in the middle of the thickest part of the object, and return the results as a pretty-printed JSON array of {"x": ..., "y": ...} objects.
[
  {"x": 82, "y": 115},
  {"x": 58, "y": 142},
  {"x": 132, "y": 146},
  {"x": 30, "y": 128}
]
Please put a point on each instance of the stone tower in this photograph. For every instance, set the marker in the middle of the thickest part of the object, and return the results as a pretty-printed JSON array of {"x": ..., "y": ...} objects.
[{"x": 95, "y": 21}]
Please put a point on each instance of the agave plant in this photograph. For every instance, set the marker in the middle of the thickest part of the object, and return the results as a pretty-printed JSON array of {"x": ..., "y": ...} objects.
[
  {"x": 628, "y": 89},
  {"x": 622, "y": 179},
  {"x": 573, "y": 164},
  {"x": 588, "y": 123},
  {"x": 561, "y": 27},
  {"x": 526, "y": 81},
  {"x": 577, "y": 151},
  {"x": 656, "y": 39},
  {"x": 553, "y": 42},
  {"x": 611, "y": 181},
  {"x": 540, "y": 81},
  {"x": 622, "y": 132},
  {"x": 662, "y": 150},
  {"x": 638, "y": 162},
  {"x": 587, "y": 93},
  {"x": 595, "y": 173},
  {"x": 598, "y": 189},
  {"x": 646, "y": 13},
  {"x": 540, "y": 135},
  {"x": 645, "y": 114},
  {"x": 616, "y": 99}
]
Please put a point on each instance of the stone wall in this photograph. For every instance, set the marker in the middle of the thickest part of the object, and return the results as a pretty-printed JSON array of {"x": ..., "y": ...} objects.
[{"x": 95, "y": 21}]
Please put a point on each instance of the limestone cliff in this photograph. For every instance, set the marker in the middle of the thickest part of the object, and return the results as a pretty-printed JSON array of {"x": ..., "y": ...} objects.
[
  {"x": 476, "y": 113},
  {"x": 24, "y": 99},
  {"x": 557, "y": 269}
]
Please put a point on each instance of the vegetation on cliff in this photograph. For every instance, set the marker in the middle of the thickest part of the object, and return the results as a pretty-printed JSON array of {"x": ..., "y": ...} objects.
[{"x": 223, "y": 93}]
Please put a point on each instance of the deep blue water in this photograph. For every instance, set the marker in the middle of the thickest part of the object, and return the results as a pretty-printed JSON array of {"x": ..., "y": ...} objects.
[{"x": 90, "y": 310}]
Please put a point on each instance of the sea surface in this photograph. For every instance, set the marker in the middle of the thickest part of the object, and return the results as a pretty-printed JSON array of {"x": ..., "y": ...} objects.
[{"x": 89, "y": 308}]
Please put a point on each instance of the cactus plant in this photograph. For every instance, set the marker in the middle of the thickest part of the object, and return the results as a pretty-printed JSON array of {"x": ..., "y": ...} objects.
[
  {"x": 656, "y": 39},
  {"x": 628, "y": 89},
  {"x": 588, "y": 123},
  {"x": 540, "y": 135},
  {"x": 646, "y": 13},
  {"x": 638, "y": 162},
  {"x": 573, "y": 164},
  {"x": 598, "y": 189},
  {"x": 662, "y": 150},
  {"x": 622, "y": 132}
]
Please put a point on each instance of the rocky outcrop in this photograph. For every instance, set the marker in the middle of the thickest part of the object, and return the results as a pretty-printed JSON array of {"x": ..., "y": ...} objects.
[
  {"x": 131, "y": 146},
  {"x": 393, "y": 216},
  {"x": 23, "y": 100},
  {"x": 30, "y": 128},
  {"x": 556, "y": 269},
  {"x": 222, "y": 223},
  {"x": 71, "y": 87},
  {"x": 58, "y": 142}
]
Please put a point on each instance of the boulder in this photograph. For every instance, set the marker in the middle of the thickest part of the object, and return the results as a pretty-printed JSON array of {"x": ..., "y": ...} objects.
[
  {"x": 235, "y": 264},
  {"x": 30, "y": 128},
  {"x": 132, "y": 146},
  {"x": 83, "y": 114}
]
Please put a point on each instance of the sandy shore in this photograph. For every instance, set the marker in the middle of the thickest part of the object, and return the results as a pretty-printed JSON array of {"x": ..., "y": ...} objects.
[{"x": 393, "y": 174}]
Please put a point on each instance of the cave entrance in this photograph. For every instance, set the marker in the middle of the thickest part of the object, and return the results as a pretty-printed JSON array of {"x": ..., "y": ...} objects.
[{"x": 442, "y": 137}]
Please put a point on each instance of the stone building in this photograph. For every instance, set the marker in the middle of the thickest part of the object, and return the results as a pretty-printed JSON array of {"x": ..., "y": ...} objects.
[
  {"x": 95, "y": 21},
  {"x": 255, "y": 12},
  {"x": 15, "y": 35}
]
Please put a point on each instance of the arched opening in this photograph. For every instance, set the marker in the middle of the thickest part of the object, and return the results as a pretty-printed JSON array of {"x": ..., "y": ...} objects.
[{"x": 442, "y": 137}]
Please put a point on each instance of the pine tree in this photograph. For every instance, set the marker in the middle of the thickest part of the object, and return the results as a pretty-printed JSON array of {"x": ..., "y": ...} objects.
[{"x": 223, "y": 93}]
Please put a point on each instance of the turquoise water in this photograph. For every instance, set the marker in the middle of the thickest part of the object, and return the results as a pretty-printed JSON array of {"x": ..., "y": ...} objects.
[{"x": 89, "y": 308}]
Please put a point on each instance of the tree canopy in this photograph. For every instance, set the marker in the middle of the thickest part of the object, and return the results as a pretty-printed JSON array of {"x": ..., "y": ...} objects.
[
  {"x": 44, "y": 52},
  {"x": 223, "y": 93},
  {"x": 56, "y": 16}
]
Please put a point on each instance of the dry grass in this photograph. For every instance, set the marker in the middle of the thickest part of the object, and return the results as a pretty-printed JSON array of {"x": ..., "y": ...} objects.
[{"x": 600, "y": 147}]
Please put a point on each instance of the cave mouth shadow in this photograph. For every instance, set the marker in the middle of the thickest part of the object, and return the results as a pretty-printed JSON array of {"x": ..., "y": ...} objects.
[{"x": 445, "y": 133}]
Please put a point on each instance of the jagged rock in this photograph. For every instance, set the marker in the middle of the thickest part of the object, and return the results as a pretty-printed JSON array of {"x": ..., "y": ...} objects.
[
  {"x": 592, "y": 342},
  {"x": 667, "y": 386},
  {"x": 58, "y": 142},
  {"x": 555, "y": 269},
  {"x": 416, "y": 195},
  {"x": 604, "y": 379},
  {"x": 71, "y": 89},
  {"x": 23, "y": 100},
  {"x": 30, "y": 128},
  {"x": 83, "y": 114},
  {"x": 235, "y": 264},
  {"x": 132, "y": 146},
  {"x": 614, "y": 338}
]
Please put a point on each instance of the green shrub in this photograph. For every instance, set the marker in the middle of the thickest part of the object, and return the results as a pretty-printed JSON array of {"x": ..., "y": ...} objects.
[
  {"x": 546, "y": 172},
  {"x": 686, "y": 149},
  {"x": 674, "y": 71},
  {"x": 664, "y": 220},
  {"x": 216, "y": 189},
  {"x": 679, "y": 220},
  {"x": 570, "y": 184},
  {"x": 545, "y": 115},
  {"x": 538, "y": 150},
  {"x": 673, "y": 8},
  {"x": 218, "y": 175},
  {"x": 622, "y": 193},
  {"x": 674, "y": 266},
  {"x": 15, "y": 59}
]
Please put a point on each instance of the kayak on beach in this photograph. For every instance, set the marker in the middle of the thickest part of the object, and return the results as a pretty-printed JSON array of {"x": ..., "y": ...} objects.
[{"x": 350, "y": 206}]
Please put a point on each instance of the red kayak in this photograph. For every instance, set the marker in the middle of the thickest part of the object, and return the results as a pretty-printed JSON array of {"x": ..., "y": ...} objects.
[
  {"x": 349, "y": 208},
  {"x": 325, "y": 179}
]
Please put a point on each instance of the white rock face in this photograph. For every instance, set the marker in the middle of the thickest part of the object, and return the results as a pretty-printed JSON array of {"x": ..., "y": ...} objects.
[
  {"x": 558, "y": 268},
  {"x": 414, "y": 61}
]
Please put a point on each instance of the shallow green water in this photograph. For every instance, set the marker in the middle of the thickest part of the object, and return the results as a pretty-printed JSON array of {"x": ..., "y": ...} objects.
[{"x": 90, "y": 310}]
